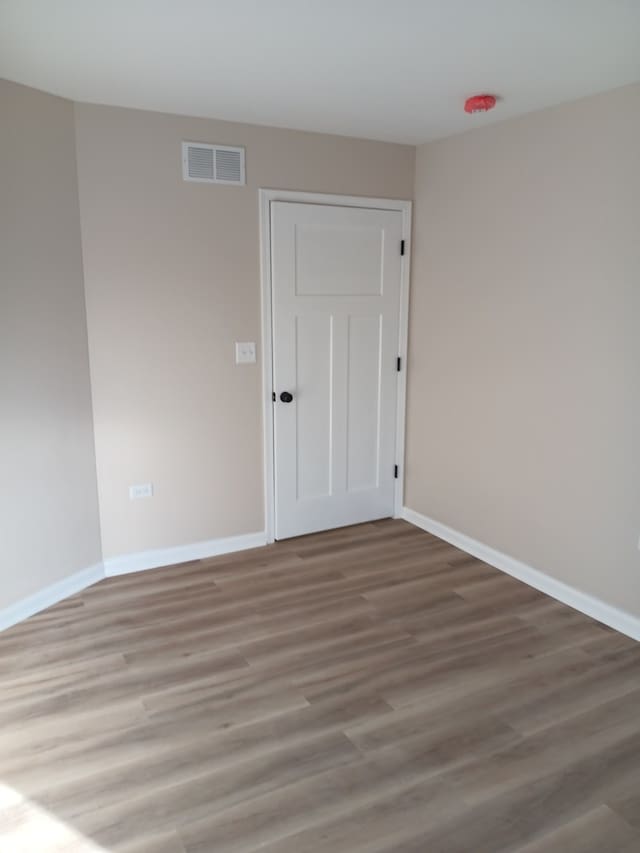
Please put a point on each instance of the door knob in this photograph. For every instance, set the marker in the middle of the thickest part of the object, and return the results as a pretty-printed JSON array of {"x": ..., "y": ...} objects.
[{"x": 286, "y": 397}]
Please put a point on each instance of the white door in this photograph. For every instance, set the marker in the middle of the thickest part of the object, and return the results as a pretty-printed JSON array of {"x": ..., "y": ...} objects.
[{"x": 336, "y": 304}]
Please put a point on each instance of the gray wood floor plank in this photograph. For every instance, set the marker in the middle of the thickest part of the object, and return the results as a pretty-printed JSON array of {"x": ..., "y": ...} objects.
[{"x": 365, "y": 689}]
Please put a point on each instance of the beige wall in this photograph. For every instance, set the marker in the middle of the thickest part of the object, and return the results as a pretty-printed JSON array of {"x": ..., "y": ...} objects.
[
  {"x": 524, "y": 354},
  {"x": 48, "y": 501},
  {"x": 172, "y": 280},
  {"x": 524, "y": 372}
]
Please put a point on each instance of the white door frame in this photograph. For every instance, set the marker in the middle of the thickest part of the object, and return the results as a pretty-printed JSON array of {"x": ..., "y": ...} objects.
[{"x": 266, "y": 197}]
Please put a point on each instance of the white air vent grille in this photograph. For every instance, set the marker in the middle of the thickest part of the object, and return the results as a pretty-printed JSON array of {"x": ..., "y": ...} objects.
[{"x": 213, "y": 164}]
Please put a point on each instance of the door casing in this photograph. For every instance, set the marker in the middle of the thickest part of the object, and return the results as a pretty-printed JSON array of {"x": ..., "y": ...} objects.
[{"x": 266, "y": 196}]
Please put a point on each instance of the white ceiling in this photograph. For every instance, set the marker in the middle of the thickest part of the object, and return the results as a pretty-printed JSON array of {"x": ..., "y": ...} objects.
[{"x": 384, "y": 69}]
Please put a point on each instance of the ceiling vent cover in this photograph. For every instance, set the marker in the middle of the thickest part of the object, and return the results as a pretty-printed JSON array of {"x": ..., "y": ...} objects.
[{"x": 212, "y": 164}]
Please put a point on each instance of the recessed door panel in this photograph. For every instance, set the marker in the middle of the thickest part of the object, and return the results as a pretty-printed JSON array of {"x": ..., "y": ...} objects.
[
  {"x": 313, "y": 405},
  {"x": 363, "y": 402},
  {"x": 338, "y": 261}
]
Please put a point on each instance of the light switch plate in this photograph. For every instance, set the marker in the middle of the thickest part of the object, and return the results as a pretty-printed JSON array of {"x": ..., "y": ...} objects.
[{"x": 245, "y": 352}]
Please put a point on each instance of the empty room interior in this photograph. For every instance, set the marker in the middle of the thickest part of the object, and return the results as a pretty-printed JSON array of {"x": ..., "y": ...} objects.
[{"x": 319, "y": 420}]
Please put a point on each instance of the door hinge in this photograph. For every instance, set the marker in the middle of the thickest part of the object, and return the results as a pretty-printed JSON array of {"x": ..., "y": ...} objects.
[
  {"x": 399, "y": 364},
  {"x": 402, "y": 247},
  {"x": 395, "y": 472},
  {"x": 273, "y": 396}
]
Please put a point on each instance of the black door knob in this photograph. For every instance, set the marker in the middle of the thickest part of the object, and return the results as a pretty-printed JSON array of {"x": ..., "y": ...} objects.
[{"x": 286, "y": 397}]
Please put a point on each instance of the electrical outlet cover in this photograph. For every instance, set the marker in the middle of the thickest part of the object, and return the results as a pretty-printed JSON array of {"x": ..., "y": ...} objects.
[{"x": 141, "y": 490}]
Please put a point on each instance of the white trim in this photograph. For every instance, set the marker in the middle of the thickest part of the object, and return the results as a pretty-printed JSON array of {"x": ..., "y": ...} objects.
[
  {"x": 143, "y": 560},
  {"x": 267, "y": 365},
  {"x": 266, "y": 196},
  {"x": 122, "y": 565},
  {"x": 597, "y": 609},
  {"x": 403, "y": 346},
  {"x": 50, "y": 595}
]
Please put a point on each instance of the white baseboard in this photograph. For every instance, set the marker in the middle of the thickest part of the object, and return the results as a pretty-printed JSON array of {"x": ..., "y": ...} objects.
[
  {"x": 142, "y": 560},
  {"x": 50, "y": 595},
  {"x": 121, "y": 566},
  {"x": 609, "y": 615}
]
